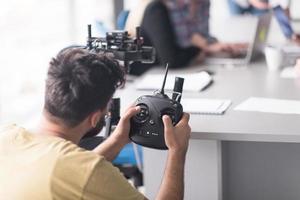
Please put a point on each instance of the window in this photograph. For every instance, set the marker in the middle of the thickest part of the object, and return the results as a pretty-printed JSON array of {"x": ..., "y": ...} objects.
[{"x": 32, "y": 32}]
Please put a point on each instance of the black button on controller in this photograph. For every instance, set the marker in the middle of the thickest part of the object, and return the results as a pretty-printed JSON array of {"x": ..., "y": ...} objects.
[
  {"x": 143, "y": 115},
  {"x": 151, "y": 122}
]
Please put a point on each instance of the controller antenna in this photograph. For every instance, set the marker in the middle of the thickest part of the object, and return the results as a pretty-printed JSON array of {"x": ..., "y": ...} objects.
[
  {"x": 89, "y": 40},
  {"x": 177, "y": 91},
  {"x": 139, "y": 39},
  {"x": 162, "y": 90}
]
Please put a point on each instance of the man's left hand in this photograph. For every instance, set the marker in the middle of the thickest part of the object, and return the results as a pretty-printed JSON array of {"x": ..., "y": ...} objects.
[{"x": 121, "y": 133}]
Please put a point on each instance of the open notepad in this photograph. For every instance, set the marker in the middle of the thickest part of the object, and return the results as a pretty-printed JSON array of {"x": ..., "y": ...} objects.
[
  {"x": 205, "y": 106},
  {"x": 270, "y": 105},
  {"x": 192, "y": 82}
]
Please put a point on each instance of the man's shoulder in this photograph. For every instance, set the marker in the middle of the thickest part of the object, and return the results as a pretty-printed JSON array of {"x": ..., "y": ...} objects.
[
  {"x": 8, "y": 128},
  {"x": 9, "y": 133},
  {"x": 72, "y": 153}
]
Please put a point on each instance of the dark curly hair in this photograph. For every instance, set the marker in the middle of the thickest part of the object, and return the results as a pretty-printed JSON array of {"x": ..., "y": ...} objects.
[{"x": 80, "y": 82}]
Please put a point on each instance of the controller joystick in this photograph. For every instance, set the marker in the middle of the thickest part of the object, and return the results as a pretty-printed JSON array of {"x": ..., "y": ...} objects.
[{"x": 143, "y": 115}]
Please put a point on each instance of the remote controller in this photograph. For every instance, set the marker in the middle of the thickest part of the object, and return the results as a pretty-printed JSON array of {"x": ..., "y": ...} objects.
[{"x": 147, "y": 128}]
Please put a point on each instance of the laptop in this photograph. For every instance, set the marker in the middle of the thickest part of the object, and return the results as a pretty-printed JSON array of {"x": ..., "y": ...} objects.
[{"x": 254, "y": 50}]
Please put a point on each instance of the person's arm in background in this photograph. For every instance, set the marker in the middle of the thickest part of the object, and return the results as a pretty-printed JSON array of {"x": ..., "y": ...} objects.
[
  {"x": 297, "y": 67},
  {"x": 285, "y": 4},
  {"x": 111, "y": 147},
  {"x": 296, "y": 38},
  {"x": 202, "y": 38},
  {"x": 216, "y": 47},
  {"x": 259, "y": 4},
  {"x": 157, "y": 26}
]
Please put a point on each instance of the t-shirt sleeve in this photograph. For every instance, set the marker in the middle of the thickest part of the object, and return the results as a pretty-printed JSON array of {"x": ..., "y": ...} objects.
[{"x": 107, "y": 182}]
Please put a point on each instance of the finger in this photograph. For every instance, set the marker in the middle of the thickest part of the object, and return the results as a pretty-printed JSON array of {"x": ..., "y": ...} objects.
[
  {"x": 167, "y": 122},
  {"x": 130, "y": 112},
  {"x": 184, "y": 119},
  {"x": 168, "y": 132}
]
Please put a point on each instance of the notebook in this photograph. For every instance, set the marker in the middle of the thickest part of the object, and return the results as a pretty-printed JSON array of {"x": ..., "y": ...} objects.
[
  {"x": 270, "y": 105},
  {"x": 289, "y": 72},
  {"x": 205, "y": 106},
  {"x": 193, "y": 82}
]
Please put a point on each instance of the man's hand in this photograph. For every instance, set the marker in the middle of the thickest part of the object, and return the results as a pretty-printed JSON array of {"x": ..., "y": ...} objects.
[
  {"x": 121, "y": 133},
  {"x": 111, "y": 147},
  {"x": 297, "y": 67},
  {"x": 296, "y": 38},
  {"x": 260, "y": 4},
  {"x": 231, "y": 48},
  {"x": 177, "y": 138}
]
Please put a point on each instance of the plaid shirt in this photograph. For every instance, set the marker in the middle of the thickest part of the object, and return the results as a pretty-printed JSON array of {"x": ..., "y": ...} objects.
[{"x": 186, "y": 24}]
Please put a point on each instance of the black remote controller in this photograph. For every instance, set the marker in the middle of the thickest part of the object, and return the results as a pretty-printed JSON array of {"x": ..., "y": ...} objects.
[{"x": 147, "y": 128}]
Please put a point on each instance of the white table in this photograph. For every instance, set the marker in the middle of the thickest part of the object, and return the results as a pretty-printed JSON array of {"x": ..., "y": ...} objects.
[{"x": 203, "y": 178}]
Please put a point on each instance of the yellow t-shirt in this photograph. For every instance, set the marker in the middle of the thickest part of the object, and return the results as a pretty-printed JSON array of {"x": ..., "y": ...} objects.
[{"x": 38, "y": 167}]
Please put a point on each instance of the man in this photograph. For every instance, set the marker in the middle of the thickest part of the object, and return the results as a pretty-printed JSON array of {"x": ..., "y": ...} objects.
[
  {"x": 179, "y": 31},
  {"x": 50, "y": 165}
]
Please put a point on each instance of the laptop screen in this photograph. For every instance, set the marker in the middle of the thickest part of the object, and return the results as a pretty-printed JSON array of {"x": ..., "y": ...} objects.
[{"x": 283, "y": 21}]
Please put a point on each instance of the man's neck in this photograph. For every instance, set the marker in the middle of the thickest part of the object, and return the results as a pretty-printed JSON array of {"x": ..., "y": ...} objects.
[{"x": 48, "y": 127}]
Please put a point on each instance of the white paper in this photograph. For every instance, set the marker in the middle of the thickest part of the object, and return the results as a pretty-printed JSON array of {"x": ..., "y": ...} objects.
[
  {"x": 205, "y": 106},
  {"x": 288, "y": 72},
  {"x": 291, "y": 49},
  {"x": 268, "y": 105},
  {"x": 192, "y": 82}
]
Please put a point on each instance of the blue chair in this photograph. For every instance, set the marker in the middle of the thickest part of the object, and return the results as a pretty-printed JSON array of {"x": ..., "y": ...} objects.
[
  {"x": 129, "y": 161},
  {"x": 121, "y": 19},
  {"x": 128, "y": 155}
]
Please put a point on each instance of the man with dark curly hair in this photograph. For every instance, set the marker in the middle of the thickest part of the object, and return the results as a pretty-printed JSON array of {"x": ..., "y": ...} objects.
[{"x": 50, "y": 165}]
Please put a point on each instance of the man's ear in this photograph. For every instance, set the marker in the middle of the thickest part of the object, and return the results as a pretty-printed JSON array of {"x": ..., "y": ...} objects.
[{"x": 95, "y": 117}]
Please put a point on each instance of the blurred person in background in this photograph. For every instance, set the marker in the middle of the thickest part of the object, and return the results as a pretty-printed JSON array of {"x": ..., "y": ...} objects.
[
  {"x": 190, "y": 19},
  {"x": 158, "y": 31},
  {"x": 179, "y": 31},
  {"x": 259, "y": 7}
]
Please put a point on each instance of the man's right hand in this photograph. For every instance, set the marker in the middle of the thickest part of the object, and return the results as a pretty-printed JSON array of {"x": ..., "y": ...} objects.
[
  {"x": 177, "y": 140},
  {"x": 177, "y": 137}
]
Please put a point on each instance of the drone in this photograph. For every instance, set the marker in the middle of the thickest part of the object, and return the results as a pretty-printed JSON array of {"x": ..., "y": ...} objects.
[{"x": 122, "y": 47}]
